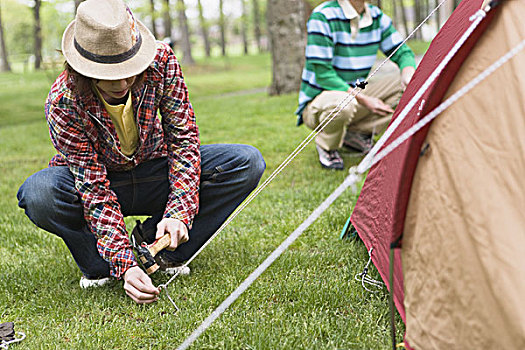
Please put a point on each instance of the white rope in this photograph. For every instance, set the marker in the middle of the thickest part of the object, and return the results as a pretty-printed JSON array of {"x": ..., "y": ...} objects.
[
  {"x": 365, "y": 164},
  {"x": 349, "y": 181},
  {"x": 5, "y": 343},
  {"x": 342, "y": 104},
  {"x": 444, "y": 105},
  {"x": 363, "y": 276}
]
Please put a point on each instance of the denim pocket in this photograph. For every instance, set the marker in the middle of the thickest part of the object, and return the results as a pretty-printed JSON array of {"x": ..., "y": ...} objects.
[{"x": 223, "y": 172}]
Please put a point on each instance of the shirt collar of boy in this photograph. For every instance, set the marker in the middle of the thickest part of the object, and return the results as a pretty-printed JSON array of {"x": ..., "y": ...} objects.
[{"x": 356, "y": 20}]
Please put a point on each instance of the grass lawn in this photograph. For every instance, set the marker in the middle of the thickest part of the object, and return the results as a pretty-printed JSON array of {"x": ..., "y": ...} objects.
[{"x": 308, "y": 299}]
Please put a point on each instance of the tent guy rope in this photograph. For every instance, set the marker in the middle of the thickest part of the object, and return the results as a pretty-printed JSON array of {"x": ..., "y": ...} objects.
[
  {"x": 5, "y": 344},
  {"x": 351, "y": 180},
  {"x": 363, "y": 276}
]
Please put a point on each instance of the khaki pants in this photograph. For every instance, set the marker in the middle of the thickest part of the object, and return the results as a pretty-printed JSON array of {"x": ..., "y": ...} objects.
[{"x": 353, "y": 117}]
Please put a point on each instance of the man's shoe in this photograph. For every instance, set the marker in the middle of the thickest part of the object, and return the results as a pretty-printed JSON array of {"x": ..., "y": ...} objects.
[
  {"x": 358, "y": 142},
  {"x": 330, "y": 159},
  {"x": 93, "y": 283}
]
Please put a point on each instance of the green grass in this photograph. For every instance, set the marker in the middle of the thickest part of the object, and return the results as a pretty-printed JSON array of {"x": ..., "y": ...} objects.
[{"x": 308, "y": 299}]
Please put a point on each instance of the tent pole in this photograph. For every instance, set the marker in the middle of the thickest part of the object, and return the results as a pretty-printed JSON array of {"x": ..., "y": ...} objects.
[{"x": 391, "y": 300}]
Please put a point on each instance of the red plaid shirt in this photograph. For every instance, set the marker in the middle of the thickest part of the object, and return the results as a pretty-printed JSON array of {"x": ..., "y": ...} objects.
[{"x": 85, "y": 138}]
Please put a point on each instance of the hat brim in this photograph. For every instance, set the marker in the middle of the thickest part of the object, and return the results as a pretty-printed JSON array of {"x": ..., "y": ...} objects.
[{"x": 110, "y": 71}]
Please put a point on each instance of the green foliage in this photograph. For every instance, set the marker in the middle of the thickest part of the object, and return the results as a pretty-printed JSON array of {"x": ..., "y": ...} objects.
[
  {"x": 17, "y": 18},
  {"x": 307, "y": 300},
  {"x": 18, "y": 27}
]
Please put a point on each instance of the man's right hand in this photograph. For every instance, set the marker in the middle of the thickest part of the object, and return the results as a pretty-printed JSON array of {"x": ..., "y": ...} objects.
[
  {"x": 138, "y": 286},
  {"x": 374, "y": 105}
]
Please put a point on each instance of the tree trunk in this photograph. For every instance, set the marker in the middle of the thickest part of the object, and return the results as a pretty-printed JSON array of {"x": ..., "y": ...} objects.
[
  {"x": 395, "y": 15},
  {"x": 438, "y": 17},
  {"x": 37, "y": 35},
  {"x": 167, "y": 22},
  {"x": 257, "y": 24},
  {"x": 204, "y": 30},
  {"x": 222, "y": 26},
  {"x": 244, "y": 27},
  {"x": 153, "y": 18},
  {"x": 4, "y": 67},
  {"x": 307, "y": 10},
  {"x": 187, "y": 57},
  {"x": 404, "y": 17},
  {"x": 287, "y": 34},
  {"x": 417, "y": 13}
]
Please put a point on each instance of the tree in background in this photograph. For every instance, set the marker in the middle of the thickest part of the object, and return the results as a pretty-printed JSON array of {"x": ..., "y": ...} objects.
[
  {"x": 204, "y": 30},
  {"x": 287, "y": 35},
  {"x": 438, "y": 17},
  {"x": 257, "y": 24},
  {"x": 187, "y": 57},
  {"x": 167, "y": 21},
  {"x": 222, "y": 26},
  {"x": 37, "y": 32},
  {"x": 153, "y": 18},
  {"x": 5, "y": 67},
  {"x": 244, "y": 26},
  {"x": 404, "y": 17},
  {"x": 417, "y": 12}
]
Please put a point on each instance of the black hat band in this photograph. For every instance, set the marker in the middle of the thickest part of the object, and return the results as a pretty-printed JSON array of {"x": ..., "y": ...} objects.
[{"x": 109, "y": 59}]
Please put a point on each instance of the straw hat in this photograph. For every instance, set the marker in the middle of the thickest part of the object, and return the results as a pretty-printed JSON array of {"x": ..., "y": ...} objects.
[{"x": 106, "y": 42}]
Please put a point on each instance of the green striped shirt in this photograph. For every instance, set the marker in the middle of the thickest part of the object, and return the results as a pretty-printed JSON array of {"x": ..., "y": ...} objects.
[{"x": 335, "y": 60}]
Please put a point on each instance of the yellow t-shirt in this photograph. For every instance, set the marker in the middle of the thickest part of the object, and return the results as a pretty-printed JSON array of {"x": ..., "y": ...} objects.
[{"x": 124, "y": 122}]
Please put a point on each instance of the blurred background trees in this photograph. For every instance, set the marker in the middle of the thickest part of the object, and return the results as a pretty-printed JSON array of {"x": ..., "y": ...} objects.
[{"x": 31, "y": 30}]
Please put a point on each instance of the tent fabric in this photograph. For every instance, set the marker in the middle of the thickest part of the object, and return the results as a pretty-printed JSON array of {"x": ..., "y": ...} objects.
[
  {"x": 464, "y": 235},
  {"x": 380, "y": 210}
]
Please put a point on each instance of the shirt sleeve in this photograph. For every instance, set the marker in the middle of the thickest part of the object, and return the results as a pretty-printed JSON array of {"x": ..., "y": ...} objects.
[
  {"x": 390, "y": 41},
  {"x": 101, "y": 208},
  {"x": 182, "y": 139},
  {"x": 320, "y": 52}
]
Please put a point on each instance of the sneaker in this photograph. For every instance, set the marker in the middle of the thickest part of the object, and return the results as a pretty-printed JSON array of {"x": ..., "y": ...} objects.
[
  {"x": 179, "y": 268},
  {"x": 93, "y": 283},
  {"x": 358, "y": 142},
  {"x": 171, "y": 268},
  {"x": 330, "y": 159}
]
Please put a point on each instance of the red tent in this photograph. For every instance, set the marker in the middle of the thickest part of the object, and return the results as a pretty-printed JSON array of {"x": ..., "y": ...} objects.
[{"x": 381, "y": 210}]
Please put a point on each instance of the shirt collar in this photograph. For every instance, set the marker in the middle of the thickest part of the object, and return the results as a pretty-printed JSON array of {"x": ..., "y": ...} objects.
[{"x": 350, "y": 13}]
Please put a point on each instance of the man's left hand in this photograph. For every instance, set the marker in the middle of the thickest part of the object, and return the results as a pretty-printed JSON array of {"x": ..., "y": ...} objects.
[
  {"x": 406, "y": 76},
  {"x": 176, "y": 228}
]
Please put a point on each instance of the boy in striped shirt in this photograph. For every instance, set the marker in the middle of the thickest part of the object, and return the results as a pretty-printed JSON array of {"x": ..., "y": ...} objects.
[{"x": 344, "y": 37}]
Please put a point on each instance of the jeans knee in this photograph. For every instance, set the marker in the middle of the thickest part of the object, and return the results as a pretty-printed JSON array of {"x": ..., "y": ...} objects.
[
  {"x": 41, "y": 194},
  {"x": 255, "y": 165},
  {"x": 34, "y": 197}
]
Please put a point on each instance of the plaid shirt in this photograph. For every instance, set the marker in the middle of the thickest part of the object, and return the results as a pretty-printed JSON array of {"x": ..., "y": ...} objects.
[{"x": 85, "y": 138}]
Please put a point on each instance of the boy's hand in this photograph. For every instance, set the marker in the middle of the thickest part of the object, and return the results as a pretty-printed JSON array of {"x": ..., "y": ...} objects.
[
  {"x": 406, "y": 76},
  {"x": 176, "y": 228},
  {"x": 374, "y": 104},
  {"x": 138, "y": 286}
]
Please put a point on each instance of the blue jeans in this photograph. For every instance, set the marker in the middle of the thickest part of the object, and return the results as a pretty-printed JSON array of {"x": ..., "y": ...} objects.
[{"x": 228, "y": 174}]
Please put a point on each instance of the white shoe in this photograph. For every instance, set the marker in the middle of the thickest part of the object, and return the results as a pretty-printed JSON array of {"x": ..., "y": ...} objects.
[
  {"x": 93, "y": 283},
  {"x": 182, "y": 270}
]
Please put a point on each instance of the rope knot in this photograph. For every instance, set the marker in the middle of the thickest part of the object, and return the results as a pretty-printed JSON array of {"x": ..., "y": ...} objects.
[{"x": 361, "y": 84}]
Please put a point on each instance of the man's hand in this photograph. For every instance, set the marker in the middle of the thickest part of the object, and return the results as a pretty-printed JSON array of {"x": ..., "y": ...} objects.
[
  {"x": 138, "y": 286},
  {"x": 406, "y": 76},
  {"x": 374, "y": 104},
  {"x": 176, "y": 228}
]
